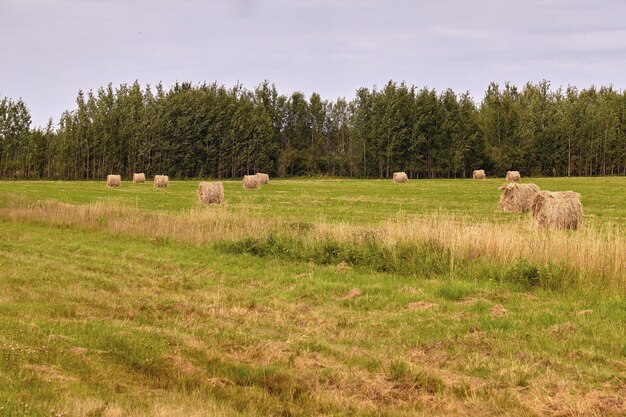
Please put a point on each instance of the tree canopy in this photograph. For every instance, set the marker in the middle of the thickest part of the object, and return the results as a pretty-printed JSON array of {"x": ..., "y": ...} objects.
[{"x": 209, "y": 130}]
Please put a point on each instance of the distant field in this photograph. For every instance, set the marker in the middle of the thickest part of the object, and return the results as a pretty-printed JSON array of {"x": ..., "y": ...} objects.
[
  {"x": 309, "y": 297},
  {"x": 356, "y": 201}
]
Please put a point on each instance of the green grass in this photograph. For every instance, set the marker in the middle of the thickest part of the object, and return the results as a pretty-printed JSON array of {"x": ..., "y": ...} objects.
[
  {"x": 98, "y": 322},
  {"x": 355, "y": 201}
]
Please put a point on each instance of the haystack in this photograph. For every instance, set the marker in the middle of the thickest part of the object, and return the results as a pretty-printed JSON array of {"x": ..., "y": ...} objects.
[
  {"x": 517, "y": 198},
  {"x": 513, "y": 176},
  {"x": 557, "y": 210},
  {"x": 114, "y": 180},
  {"x": 399, "y": 177},
  {"x": 263, "y": 178},
  {"x": 161, "y": 181},
  {"x": 479, "y": 174},
  {"x": 251, "y": 181},
  {"x": 139, "y": 178},
  {"x": 210, "y": 192}
]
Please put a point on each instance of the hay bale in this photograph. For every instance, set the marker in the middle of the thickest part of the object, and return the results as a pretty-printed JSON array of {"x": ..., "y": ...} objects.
[
  {"x": 139, "y": 178},
  {"x": 161, "y": 181},
  {"x": 557, "y": 210},
  {"x": 114, "y": 180},
  {"x": 479, "y": 174},
  {"x": 512, "y": 176},
  {"x": 263, "y": 178},
  {"x": 211, "y": 192},
  {"x": 251, "y": 182},
  {"x": 517, "y": 198},
  {"x": 399, "y": 177}
]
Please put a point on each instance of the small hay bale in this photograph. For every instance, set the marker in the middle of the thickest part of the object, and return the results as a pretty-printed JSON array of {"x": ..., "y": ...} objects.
[
  {"x": 399, "y": 177},
  {"x": 161, "y": 181},
  {"x": 512, "y": 176},
  {"x": 479, "y": 174},
  {"x": 251, "y": 182},
  {"x": 211, "y": 192},
  {"x": 263, "y": 178},
  {"x": 517, "y": 198},
  {"x": 139, "y": 178},
  {"x": 557, "y": 210},
  {"x": 114, "y": 180}
]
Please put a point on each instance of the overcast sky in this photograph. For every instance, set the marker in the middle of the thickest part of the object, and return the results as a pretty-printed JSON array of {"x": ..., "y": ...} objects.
[{"x": 49, "y": 49}]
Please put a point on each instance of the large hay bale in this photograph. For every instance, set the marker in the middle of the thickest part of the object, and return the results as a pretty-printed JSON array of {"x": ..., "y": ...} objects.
[
  {"x": 114, "y": 180},
  {"x": 512, "y": 176},
  {"x": 251, "y": 182},
  {"x": 557, "y": 210},
  {"x": 479, "y": 174},
  {"x": 139, "y": 178},
  {"x": 210, "y": 192},
  {"x": 161, "y": 181},
  {"x": 399, "y": 177},
  {"x": 263, "y": 178},
  {"x": 517, "y": 198}
]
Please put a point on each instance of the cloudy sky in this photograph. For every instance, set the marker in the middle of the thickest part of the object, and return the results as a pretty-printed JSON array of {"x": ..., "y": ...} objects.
[{"x": 49, "y": 49}]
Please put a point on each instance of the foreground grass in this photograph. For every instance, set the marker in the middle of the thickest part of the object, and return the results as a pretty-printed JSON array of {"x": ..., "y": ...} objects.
[
  {"x": 121, "y": 308},
  {"x": 91, "y": 324}
]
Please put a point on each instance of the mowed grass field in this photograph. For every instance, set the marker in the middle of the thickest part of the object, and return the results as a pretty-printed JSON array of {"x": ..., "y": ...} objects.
[
  {"x": 309, "y": 297},
  {"x": 355, "y": 201}
]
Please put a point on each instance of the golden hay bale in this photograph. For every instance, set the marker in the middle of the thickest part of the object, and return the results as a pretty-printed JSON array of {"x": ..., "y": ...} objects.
[
  {"x": 114, "y": 180},
  {"x": 210, "y": 192},
  {"x": 251, "y": 181},
  {"x": 479, "y": 174},
  {"x": 513, "y": 176},
  {"x": 557, "y": 210},
  {"x": 263, "y": 178},
  {"x": 161, "y": 181},
  {"x": 139, "y": 178},
  {"x": 517, "y": 198},
  {"x": 399, "y": 177}
]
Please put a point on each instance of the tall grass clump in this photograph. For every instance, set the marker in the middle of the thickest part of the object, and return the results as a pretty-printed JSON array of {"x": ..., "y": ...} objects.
[{"x": 422, "y": 246}]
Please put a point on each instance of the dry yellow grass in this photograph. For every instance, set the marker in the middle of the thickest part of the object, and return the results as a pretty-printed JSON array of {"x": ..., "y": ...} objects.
[{"x": 600, "y": 252}]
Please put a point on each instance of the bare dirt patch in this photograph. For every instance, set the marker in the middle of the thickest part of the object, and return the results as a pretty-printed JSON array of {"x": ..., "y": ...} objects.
[
  {"x": 498, "y": 311},
  {"x": 420, "y": 305},
  {"x": 353, "y": 293}
]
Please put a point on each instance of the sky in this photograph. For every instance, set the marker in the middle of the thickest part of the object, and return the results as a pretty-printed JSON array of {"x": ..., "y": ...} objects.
[{"x": 49, "y": 49}]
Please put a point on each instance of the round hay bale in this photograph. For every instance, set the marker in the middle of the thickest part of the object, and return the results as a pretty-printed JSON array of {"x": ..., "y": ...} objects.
[
  {"x": 211, "y": 192},
  {"x": 400, "y": 177},
  {"x": 479, "y": 174},
  {"x": 114, "y": 180},
  {"x": 161, "y": 181},
  {"x": 263, "y": 178},
  {"x": 251, "y": 182},
  {"x": 517, "y": 198},
  {"x": 557, "y": 210},
  {"x": 512, "y": 176},
  {"x": 139, "y": 178}
]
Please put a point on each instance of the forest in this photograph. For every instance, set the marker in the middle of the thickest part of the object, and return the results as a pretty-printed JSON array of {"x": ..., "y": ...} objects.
[{"x": 210, "y": 130}]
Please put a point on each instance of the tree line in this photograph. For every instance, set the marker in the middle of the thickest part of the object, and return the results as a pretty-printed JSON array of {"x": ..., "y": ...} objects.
[{"x": 209, "y": 130}]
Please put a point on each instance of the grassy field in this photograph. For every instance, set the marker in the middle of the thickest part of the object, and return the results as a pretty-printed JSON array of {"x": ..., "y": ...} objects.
[{"x": 309, "y": 297}]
